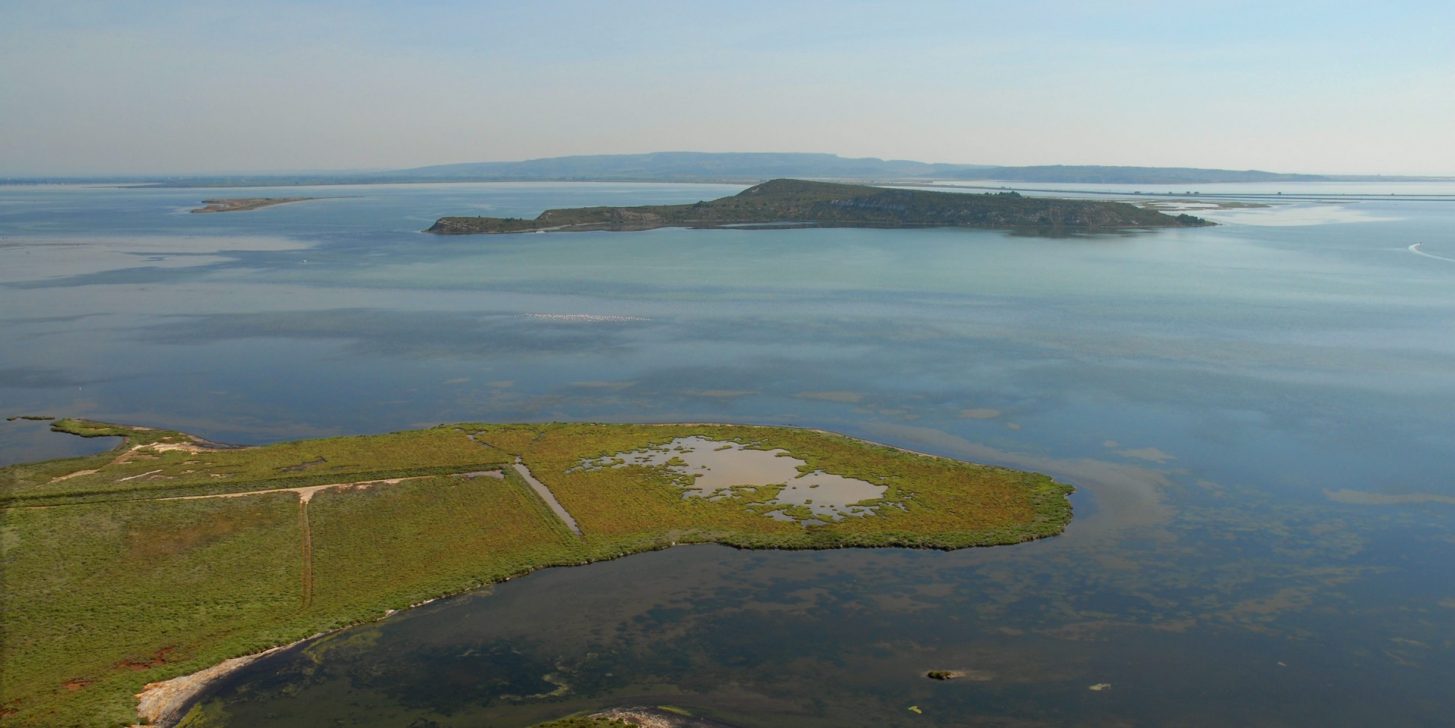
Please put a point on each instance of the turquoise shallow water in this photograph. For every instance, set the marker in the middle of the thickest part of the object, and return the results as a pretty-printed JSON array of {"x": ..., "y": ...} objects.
[{"x": 1258, "y": 417}]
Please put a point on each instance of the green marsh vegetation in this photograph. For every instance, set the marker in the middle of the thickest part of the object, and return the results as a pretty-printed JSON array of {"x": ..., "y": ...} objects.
[
  {"x": 159, "y": 463},
  {"x": 928, "y": 502},
  {"x": 169, "y": 554}
]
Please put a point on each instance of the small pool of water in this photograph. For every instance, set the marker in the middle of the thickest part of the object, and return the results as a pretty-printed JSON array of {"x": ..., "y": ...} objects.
[{"x": 717, "y": 466}]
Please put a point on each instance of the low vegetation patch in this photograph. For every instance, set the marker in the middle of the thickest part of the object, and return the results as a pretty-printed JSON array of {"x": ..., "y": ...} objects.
[{"x": 928, "y": 501}]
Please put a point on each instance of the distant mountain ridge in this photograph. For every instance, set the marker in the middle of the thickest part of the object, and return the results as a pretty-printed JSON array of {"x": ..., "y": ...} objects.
[
  {"x": 688, "y": 165},
  {"x": 727, "y": 167},
  {"x": 757, "y": 166}
]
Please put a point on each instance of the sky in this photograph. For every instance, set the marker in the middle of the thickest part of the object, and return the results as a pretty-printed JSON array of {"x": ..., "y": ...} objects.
[{"x": 161, "y": 87}]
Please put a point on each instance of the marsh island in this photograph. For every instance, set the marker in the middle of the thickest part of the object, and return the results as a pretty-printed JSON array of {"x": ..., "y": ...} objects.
[
  {"x": 799, "y": 203},
  {"x": 244, "y": 204},
  {"x": 170, "y": 554}
]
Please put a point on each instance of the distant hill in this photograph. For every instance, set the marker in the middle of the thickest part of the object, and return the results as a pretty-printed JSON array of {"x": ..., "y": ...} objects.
[
  {"x": 668, "y": 166},
  {"x": 733, "y": 167},
  {"x": 798, "y": 203},
  {"x": 754, "y": 167}
]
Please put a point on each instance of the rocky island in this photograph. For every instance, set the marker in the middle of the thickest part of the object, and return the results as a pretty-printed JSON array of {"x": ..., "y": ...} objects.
[{"x": 800, "y": 203}]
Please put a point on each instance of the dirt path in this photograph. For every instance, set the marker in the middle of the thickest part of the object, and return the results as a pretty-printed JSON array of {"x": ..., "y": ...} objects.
[
  {"x": 131, "y": 453},
  {"x": 540, "y": 488},
  {"x": 306, "y": 492},
  {"x": 547, "y": 496},
  {"x": 307, "y": 552}
]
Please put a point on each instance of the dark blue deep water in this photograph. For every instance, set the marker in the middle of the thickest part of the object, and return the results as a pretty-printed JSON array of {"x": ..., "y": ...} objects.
[{"x": 1259, "y": 418}]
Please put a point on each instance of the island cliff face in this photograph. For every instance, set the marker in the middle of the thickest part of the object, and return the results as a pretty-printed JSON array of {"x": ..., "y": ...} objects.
[{"x": 798, "y": 203}]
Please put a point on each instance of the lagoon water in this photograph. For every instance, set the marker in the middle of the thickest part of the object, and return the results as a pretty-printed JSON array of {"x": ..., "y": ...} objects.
[{"x": 1259, "y": 418}]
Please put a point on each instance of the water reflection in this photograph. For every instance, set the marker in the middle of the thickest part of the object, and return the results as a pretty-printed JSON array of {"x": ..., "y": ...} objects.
[{"x": 1257, "y": 418}]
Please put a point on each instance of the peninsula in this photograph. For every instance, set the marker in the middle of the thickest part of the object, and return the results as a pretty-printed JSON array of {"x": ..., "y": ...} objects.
[
  {"x": 244, "y": 204},
  {"x": 799, "y": 203},
  {"x": 135, "y": 570}
]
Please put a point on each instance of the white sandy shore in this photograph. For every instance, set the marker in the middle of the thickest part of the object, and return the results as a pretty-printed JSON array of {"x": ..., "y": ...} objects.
[{"x": 162, "y": 703}]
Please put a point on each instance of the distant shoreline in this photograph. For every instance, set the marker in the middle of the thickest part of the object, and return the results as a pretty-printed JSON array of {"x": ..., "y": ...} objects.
[{"x": 244, "y": 204}]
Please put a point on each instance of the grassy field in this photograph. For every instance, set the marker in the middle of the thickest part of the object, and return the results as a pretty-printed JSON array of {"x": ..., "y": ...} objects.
[
  {"x": 109, "y": 581},
  {"x": 97, "y": 596},
  {"x": 161, "y": 463},
  {"x": 470, "y": 532}
]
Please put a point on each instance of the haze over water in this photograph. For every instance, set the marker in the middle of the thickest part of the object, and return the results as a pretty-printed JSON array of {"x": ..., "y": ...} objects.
[{"x": 1258, "y": 417}]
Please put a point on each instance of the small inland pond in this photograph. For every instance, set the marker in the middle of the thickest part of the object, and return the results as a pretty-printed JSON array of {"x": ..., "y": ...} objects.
[{"x": 716, "y": 467}]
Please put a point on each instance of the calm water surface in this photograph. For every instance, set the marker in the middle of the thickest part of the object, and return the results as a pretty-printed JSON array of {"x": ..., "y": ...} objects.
[{"x": 1258, "y": 416}]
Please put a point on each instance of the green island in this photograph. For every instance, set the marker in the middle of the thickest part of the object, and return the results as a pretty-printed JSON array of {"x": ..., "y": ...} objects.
[
  {"x": 244, "y": 204},
  {"x": 799, "y": 203},
  {"x": 142, "y": 572}
]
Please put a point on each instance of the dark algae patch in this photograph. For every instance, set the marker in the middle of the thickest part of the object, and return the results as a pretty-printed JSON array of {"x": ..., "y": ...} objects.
[
  {"x": 799, "y": 203},
  {"x": 170, "y": 554}
]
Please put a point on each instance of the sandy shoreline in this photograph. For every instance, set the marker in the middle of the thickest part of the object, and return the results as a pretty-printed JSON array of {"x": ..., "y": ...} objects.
[{"x": 164, "y": 703}]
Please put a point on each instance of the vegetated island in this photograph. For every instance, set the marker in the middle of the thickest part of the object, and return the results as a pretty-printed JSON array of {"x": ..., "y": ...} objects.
[
  {"x": 243, "y": 204},
  {"x": 799, "y": 203},
  {"x": 139, "y": 567}
]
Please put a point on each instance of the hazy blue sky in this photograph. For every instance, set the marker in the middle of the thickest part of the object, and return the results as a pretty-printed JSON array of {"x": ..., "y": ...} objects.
[{"x": 134, "y": 86}]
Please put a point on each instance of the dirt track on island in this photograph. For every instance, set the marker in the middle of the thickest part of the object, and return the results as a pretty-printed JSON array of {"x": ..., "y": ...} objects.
[{"x": 307, "y": 539}]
